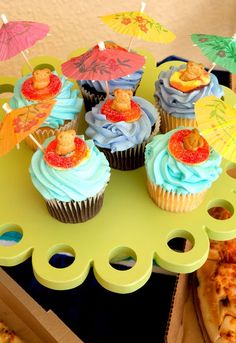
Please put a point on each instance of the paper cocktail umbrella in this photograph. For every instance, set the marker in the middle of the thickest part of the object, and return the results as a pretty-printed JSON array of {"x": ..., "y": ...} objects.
[
  {"x": 17, "y": 36},
  {"x": 220, "y": 50},
  {"x": 102, "y": 64},
  {"x": 217, "y": 123},
  {"x": 20, "y": 123},
  {"x": 138, "y": 25}
]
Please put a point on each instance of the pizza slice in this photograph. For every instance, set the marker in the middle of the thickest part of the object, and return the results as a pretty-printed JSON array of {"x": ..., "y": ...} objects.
[
  {"x": 223, "y": 251},
  {"x": 7, "y": 335},
  {"x": 216, "y": 294}
]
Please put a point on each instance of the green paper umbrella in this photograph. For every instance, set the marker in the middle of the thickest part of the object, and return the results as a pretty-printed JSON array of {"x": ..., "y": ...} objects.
[{"x": 220, "y": 50}]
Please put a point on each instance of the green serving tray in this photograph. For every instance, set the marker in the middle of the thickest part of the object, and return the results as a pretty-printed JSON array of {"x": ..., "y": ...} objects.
[{"x": 129, "y": 224}]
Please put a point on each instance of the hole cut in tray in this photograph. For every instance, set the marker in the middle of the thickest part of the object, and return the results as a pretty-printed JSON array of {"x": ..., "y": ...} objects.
[{"x": 10, "y": 234}]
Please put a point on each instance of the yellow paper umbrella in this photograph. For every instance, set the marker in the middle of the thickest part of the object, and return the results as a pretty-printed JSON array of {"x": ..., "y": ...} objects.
[
  {"x": 217, "y": 123},
  {"x": 139, "y": 25}
]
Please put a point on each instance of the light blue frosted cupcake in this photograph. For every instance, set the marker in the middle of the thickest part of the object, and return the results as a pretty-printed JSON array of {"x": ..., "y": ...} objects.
[
  {"x": 64, "y": 115},
  {"x": 72, "y": 194},
  {"x": 175, "y": 184}
]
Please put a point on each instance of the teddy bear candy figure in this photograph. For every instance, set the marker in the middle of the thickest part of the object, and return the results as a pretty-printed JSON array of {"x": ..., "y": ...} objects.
[
  {"x": 66, "y": 151},
  {"x": 193, "y": 71},
  {"x": 121, "y": 107},
  {"x": 193, "y": 77},
  {"x": 193, "y": 141},
  {"x": 122, "y": 100},
  {"x": 41, "y": 78},
  {"x": 65, "y": 143}
]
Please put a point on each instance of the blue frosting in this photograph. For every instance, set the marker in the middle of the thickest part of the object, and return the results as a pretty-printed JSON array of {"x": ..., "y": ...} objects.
[
  {"x": 165, "y": 171},
  {"x": 126, "y": 82},
  {"x": 78, "y": 183},
  {"x": 180, "y": 104},
  {"x": 120, "y": 136},
  {"x": 67, "y": 107}
]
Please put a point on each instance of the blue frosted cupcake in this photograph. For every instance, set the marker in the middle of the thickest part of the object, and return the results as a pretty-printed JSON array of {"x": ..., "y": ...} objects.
[
  {"x": 175, "y": 95},
  {"x": 180, "y": 168},
  {"x": 65, "y": 113},
  {"x": 120, "y": 137},
  {"x": 95, "y": 91},
  {"x": 71, "y": 181}
]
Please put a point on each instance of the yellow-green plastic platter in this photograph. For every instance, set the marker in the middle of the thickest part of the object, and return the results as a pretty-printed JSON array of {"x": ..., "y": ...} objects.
[{"x": 128, "y": 225}]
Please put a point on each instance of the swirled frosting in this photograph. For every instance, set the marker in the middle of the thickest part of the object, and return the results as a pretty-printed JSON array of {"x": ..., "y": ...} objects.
[
  {"x": 165, "y": 171},
  {"x": 180, "y": 104},
  {"x": 67, "y": 107},
  {"x": 126, "y": 82},
  {"x": 78, "y": 183},
  {"x": 120, "y": 136}
]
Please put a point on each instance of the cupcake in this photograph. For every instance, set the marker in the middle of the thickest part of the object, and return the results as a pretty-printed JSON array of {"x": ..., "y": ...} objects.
[
  {"x": 176, "y": 91},
  {"x": 71, "y": 175},
  {"x": 121, "y": 127},
  {"x": 180, "y": 168},
  {"x": 95, "y": 91},
  {"x": 43, "y": 85}
]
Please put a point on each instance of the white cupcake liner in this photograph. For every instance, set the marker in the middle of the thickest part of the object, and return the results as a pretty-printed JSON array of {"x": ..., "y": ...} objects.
[
  {"x": 43, "y": 133},
  {"x": 169, "y": 122},
  {"x": 173, "y": 202}
]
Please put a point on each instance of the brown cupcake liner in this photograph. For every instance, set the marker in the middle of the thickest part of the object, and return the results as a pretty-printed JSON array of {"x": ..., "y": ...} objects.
[
  {"x": 43, "y": 133},
  {"x": 129, "y": 159},
  {"x": 75, "y": 211},
  {"x": 169, "y": 122},
  {"x": 173, "y": 202},
  {"x": 92, "y": 99},
  {"x": 156, "y": 127}
]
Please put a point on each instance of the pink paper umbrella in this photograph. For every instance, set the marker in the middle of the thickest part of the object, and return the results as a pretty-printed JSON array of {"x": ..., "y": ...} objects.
[
  {"x": 102, "y": 64},
  {"x": 17, "y": 36}
]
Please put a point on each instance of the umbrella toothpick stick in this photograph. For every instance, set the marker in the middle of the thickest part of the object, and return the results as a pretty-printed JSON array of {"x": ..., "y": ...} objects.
[
  {"x": 8, "y": 109},
  {"x": 142, "y": 8},
  {"x": 101, "y": 47},
  {"x": 27, "y": 61},
  {"x": 130, "y": 43},
  {"x": 212, "y": 67},
  {"x": 5, "y": 21},
  {"x": 107, "y": 89},
  {"x": 36, "y": 142}
]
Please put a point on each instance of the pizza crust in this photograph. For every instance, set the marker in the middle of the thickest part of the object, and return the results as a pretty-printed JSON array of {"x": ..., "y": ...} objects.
[
  {"x": 7, "y": 335},
  {"x": 223, "y": 251},
  {"x": 216, "y": 293},
  {"x": 208, "y": 301},
  {"x": 196, "y": 304}
]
